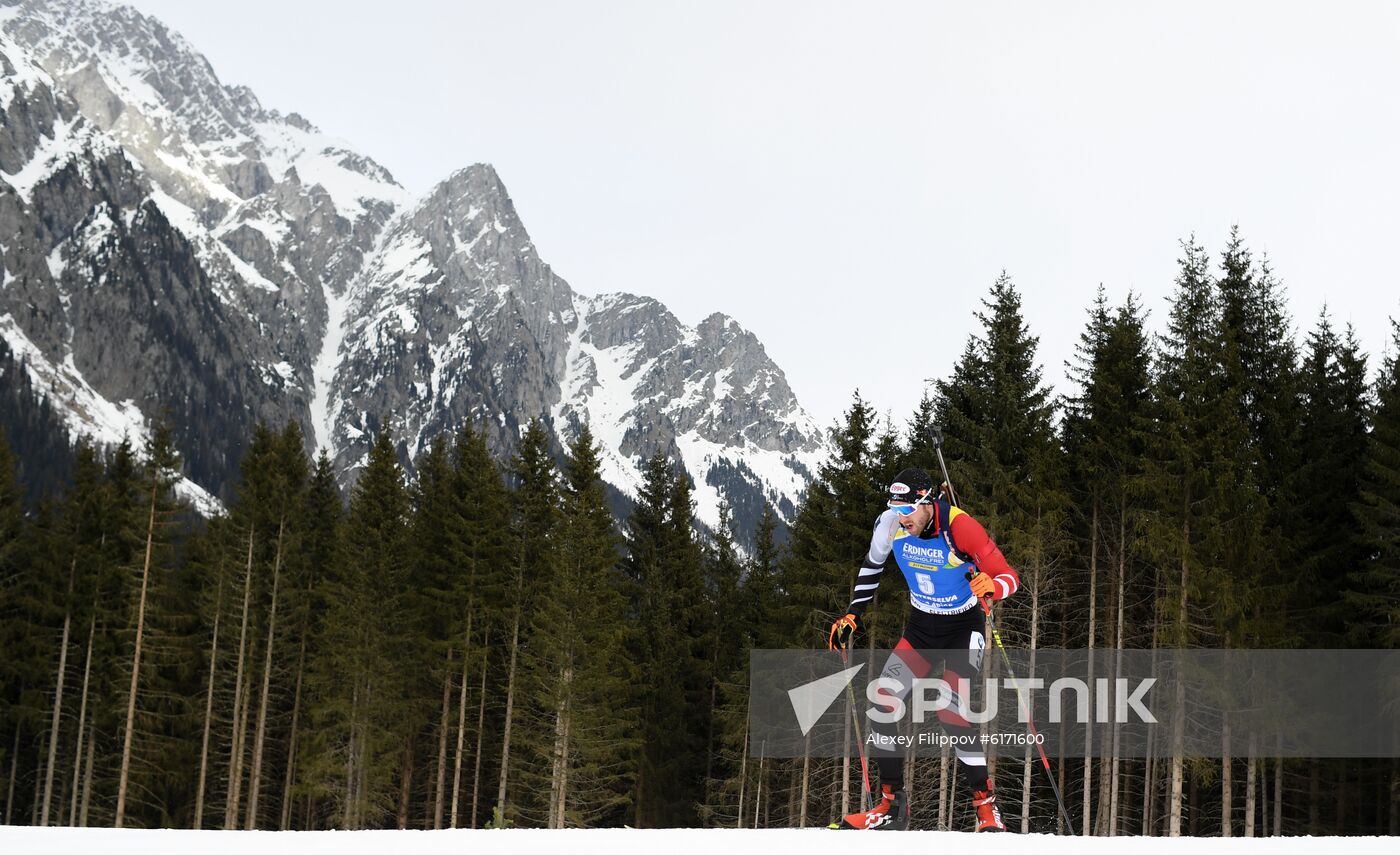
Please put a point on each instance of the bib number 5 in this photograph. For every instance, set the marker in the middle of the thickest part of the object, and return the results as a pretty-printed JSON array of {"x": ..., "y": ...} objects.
[{"x": 925, "y": 581}]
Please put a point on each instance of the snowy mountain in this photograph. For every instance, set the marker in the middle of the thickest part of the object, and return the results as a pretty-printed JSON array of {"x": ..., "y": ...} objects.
[{"x": 172, "y": 248}]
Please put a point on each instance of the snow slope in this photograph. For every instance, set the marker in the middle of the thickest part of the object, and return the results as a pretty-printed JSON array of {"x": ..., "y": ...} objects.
[{"x": 50, "y": 841}]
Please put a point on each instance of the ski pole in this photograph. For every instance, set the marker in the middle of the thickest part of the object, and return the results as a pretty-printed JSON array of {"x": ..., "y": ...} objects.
[
  {"x": 1025, "y": 705},
  {"x": 865, "y": 793},
  {"x": 938, "y": 449}
]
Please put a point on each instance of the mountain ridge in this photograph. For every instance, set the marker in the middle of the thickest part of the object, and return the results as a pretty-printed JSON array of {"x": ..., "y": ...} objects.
[{"x": 326, "y": 294}]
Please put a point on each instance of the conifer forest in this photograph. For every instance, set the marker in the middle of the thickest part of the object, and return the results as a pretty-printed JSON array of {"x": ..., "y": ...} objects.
[{"x": 489, "y": 644}]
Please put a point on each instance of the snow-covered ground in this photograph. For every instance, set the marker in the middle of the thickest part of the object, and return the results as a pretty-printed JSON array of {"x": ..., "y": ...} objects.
[{"x": 99, "y": 841}]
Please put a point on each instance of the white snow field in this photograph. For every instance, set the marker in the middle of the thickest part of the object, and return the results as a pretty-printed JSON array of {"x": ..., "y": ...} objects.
[{"x": 16, "y": 840}]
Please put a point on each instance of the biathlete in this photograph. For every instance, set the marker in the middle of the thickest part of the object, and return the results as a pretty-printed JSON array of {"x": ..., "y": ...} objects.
[{"x": 950, "y": 565}]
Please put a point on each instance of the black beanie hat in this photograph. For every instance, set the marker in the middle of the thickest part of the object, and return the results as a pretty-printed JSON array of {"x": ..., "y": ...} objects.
[{"x": 909, "y": 484}]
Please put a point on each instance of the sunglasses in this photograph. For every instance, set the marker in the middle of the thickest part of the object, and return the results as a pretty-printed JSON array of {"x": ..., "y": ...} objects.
[{"x": 906, "y": 509}]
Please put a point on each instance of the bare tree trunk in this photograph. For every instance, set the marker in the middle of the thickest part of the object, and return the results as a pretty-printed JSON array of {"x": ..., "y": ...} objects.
[
  {"x": 744, "y": 771},
  {"x": 441, "y": 789},
  {"x": 57, "y": 705},
  {"x": 758, "y": 791},
  {"x": 1227, "y": 779},
  {"x": 82, "y": 724},
  {"x": 845, "y": 759},
  {"x": 559, "y": 777},
  {"x": 124, "y": 777},
  {"x": 239, "y": 759},
  {"x": 38, "y": 780},
  {"x": 14, "y": 769},
  {"x": 1251, "y": 782},
  {"x": 792, "y": 807},
  {"x": 87, "y": 776},
  {"x": 1179, "y": 722},
  {"x": 1149, "y": 775},
  {"x": 1149, "y": 792},
  {"x": 1278, "y": 792},
  {"x": 292, "y": 739},
  {"x": 260, "y": 734},
  {"x": 1086, "y": 827},
  {"x": 1062, "y": 824},
  {"x": 556, "y": 755},
  {"x": 58, "y": 698},
  {"x": 405, "y": 783},
  {"x": 943, "y": 788},
  {"x": 1037, "y": 571},
  {"x": 1177, "y": 769},
  {"x": 563, "y": 774},
  {"x": 1115, "y": 781},
  {"x": 235, "y": 765},
  {"x": 461, "y": 721},
  {"x": 208, "y": 710},
  {"x": 350, "y": 748},
  {"x": 806, "y": 772},
  {"x": 505, "y": 732},
  {"x": 1036, "y": 575},
  {"x": 767, "y": 805},
  {"x": 480, "y": 726}
]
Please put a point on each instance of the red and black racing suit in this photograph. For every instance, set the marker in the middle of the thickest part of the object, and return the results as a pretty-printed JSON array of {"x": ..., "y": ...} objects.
[{"x": 945, "y": 622}]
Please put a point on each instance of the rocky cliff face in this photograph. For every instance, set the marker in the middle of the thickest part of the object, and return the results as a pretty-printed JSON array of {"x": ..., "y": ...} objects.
[
  {"x": 173, "y": 248},
  {"x": 105, "y": 300}
]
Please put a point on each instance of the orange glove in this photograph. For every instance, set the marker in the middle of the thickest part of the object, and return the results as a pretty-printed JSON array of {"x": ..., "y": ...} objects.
[
  {"x": 842, "y": 631},
  {"x": 982, "y": 585}
]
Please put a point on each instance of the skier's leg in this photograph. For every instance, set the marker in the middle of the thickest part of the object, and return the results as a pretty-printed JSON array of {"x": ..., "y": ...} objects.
[
  {"x": 963, "y": 663},
  {"x": 904, "y": 666},
  {"x": 961, "y": 668}
]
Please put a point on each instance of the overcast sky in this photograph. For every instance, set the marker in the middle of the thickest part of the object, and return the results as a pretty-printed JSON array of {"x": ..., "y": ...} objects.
[{"x": 848, "y": 179}]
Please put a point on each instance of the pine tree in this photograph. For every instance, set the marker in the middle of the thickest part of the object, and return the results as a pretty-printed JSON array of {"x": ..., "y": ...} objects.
[
  {"x": 1202, "y": 473},
  {"x": 358, "y": 672},
  {"x": 656, "y": 645},
  {"x": 21, "y": 673},
  {"x": 1334, "y": 426},
  {"x": 435, "y": 612},
  {"x": 534, "y": 527},
  {"x": 996, "y": 413},
  {"x": 482, "y": 545},
  {"x": 576, "y": 665},
  {"x": 306, "y": 753},
  {"x": 1259, "y": 369},
  {"x": 1373, "y": 595},
  {"x": 160, "y": 460},
  {"x": 693, "y": 608},
  {"x": 731, "y": 637},
  {"x": 1105, "y": 434},
  {"x": 285, "y": 481}
]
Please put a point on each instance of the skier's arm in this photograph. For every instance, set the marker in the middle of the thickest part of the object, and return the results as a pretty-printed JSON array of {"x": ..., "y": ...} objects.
[
  {"x": 972, "y": 540},
  {"x": 868, "y": 578}
]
